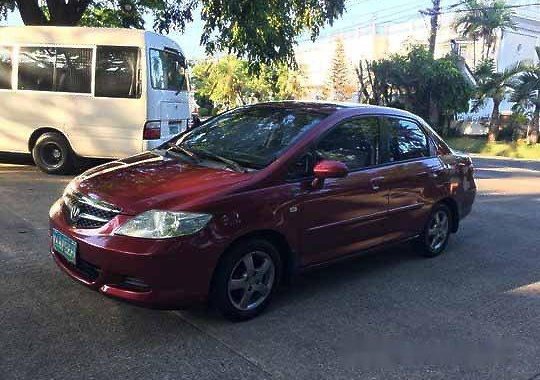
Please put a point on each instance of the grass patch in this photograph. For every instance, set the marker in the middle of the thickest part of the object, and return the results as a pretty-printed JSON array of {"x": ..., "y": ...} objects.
[{"x": 501, "y": 149}]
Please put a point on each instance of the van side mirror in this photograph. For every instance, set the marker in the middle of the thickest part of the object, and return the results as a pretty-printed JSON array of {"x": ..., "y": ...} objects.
[{"x": 330, "y": 169}]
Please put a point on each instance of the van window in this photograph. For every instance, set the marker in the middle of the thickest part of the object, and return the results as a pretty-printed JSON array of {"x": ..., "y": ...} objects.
[
  {"x": 55, "y": 69},
  {"x": 5, "y": 68},
  {"x": 73, "y": 70},
  {"x": 36, "y": 68},
  {"x": 167, "y": 70},
  {"x": 116, "y": 71}
]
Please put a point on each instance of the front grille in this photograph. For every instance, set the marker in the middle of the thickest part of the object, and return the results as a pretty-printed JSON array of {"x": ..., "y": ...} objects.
[{"x": 85, "y": 212}]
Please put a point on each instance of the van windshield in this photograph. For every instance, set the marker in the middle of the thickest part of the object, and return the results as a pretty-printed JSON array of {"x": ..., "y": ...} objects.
[
  {"x": 167, "y": 70},
  {"x": 252, "y": 136}
]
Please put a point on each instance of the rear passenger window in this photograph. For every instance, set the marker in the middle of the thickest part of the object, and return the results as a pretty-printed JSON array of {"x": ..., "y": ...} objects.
[
  {"x": 116, "y": 71},
  {"x": 5, "y": 67},
  {"x": 36, "y": 68},
  {"x": 406, "y": 140},
  {"x": 355, "y": 143},
  {"x": 55, "y": 69}
]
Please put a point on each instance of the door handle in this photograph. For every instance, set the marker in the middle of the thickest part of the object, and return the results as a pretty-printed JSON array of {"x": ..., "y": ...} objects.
[{"x": 376, "y": 183}]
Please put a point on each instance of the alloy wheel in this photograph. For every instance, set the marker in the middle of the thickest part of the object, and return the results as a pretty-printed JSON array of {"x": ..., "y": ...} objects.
[
  {"x": 251, "y": 280},
  {"x": 438, "y": 230}
]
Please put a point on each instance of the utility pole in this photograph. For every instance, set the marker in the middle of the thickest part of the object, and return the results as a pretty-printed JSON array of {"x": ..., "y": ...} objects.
[{"x": 434, "y": 14}]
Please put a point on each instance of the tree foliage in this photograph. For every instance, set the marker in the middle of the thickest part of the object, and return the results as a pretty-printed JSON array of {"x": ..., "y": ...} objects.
[
  {"x": 413, "y": 81},
  {"x": 339, "y": 83},
  {"x": 494, "y": 85},
  {"x": 526, "y": 93},
  {"x": 480, "y": 19},
  {"x": 263, "y": 32},
  {"x": 228, "y": 83}
]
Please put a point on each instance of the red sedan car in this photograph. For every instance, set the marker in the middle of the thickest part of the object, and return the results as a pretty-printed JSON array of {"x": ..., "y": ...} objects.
[{"x": 225, "y": 211}]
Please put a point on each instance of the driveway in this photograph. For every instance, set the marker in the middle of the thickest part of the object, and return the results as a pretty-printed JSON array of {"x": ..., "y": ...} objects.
[{"x": 473, "y": 313}]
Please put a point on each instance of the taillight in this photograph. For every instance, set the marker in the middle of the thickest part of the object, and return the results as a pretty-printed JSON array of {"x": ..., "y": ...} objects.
[{"x": 152, "y": 130}]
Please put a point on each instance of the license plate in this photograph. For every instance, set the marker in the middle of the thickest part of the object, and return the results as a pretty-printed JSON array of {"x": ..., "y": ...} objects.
[
  {"x": 174, "y": 129},
  {"x": 65, "y": 246}
]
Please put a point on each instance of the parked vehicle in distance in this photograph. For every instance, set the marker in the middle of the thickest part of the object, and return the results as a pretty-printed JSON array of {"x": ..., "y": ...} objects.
[
  {"x": 227, "y": 210},
  {"x": 89, "y": 92}
]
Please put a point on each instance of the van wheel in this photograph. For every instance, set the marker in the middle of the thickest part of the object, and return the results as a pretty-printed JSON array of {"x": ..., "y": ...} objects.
[
  {"x": 52, "y": 154},
  {"x": 245, "y": 279},
  {"x": 436, "y": 234}
]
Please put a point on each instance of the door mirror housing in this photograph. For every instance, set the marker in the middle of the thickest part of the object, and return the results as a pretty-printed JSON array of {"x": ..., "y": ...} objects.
[{"x": 330, "y": 169}]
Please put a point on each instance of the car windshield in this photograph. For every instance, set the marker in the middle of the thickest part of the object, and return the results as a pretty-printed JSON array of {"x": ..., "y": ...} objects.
[{"x": 252, "y": 137}]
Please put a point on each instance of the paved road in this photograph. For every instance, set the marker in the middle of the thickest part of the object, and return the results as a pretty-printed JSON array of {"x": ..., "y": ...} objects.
[{"x": 473, "y": 313}]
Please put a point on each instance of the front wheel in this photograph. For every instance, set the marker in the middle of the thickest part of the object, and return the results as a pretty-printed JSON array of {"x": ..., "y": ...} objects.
[
  {"x": 246, "y": 279},
  {"x": 52, "y": 154},
  {"x": 436, "y": 234}
]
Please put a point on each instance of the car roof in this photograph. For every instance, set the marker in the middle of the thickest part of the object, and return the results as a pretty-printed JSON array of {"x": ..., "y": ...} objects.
[{"x": 329, "y": 107}]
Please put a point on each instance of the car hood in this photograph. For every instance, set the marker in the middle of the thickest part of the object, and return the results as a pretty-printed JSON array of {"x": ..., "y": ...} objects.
[{"x": 153, "y": 181}]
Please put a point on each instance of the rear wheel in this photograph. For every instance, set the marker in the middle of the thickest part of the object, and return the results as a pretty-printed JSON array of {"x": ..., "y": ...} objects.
[
  {"x": 246, "y": 279},
  {"x": 52, "y": 154},
  {"x": 436, "y": 234}
]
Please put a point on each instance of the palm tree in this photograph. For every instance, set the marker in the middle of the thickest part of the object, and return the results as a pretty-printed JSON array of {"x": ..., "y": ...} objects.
[
  {"x": 482, "y": 19},
  {"x": 494, "y": 85},
  {"x": 527, "y": 94}
]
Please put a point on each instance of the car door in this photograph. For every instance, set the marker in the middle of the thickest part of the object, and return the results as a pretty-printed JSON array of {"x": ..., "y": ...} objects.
[
  {"x": 344, "y": 214},
  {"x": 413, "y": 168}
]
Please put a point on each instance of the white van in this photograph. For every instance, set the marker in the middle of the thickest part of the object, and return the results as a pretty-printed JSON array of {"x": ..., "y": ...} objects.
[{"x": 89, "y": 92}]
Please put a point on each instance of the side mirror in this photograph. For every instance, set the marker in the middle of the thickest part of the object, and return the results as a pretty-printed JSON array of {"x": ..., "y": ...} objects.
[{"x": 330, "y": 169}]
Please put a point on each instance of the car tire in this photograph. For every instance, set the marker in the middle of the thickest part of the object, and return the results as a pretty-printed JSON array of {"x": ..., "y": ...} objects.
[
  {"x": 434, "y": 239},
  {"x": 53, "y": 154},
  {"x": 246, "y": 279}
]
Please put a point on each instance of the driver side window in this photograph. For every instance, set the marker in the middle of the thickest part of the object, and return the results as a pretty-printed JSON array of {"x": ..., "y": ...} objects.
[{"x": 355, "y": 143}]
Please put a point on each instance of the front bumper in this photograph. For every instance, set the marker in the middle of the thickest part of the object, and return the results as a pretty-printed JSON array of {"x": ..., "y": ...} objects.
[{"x": 165, "y": 273}]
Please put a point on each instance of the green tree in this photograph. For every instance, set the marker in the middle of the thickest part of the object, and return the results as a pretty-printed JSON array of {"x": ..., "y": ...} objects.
[
  {"x": 228, "y": 83},
  {"x": 481, "y": 19},
  {"x": 418, "y": 83},
  {"x": 261, "y": 31},
  {"x": 340, "y": 78},
  {"x": 494, "y": 85},
  {"x": 527, "y": 94}
]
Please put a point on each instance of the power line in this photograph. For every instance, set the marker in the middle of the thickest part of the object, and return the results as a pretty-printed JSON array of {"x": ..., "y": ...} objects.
[{"x": 489, "y": 7}]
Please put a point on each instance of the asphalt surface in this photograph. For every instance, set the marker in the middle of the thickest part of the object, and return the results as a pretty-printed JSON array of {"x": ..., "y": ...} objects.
[{"x": 473, "y": 313}]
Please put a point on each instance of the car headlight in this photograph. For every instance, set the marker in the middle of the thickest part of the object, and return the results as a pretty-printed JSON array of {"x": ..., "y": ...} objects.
[{"x": 156, "y": 224}]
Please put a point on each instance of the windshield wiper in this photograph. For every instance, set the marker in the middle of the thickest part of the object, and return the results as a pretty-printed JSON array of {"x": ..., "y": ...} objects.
[
  {"x": 229, "y": 163},
  {"x": 184, "y": 151}
]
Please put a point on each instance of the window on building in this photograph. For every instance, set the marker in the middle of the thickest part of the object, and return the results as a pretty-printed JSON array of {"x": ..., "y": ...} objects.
[
  {"x": 167, "y": 70},
  {"x": 116, "y": 72},
  {"x": 406, "y": 140},
  {"x": 355, "y": 143},
  {"x": 5, "y": 67},
  {"x": 55, "y": 69}
]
